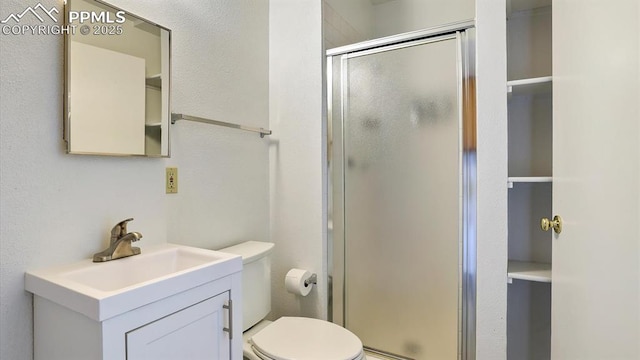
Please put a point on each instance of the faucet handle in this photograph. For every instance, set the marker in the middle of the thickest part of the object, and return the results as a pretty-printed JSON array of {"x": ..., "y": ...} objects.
[{"x": 120, "y": 228}]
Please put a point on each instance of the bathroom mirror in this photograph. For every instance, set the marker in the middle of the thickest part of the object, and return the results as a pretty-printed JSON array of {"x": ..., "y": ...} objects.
[{"x": 117, "y": 82}]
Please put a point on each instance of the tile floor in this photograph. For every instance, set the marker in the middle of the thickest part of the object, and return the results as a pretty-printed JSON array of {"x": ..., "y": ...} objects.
[{"x": 372, "y": 357}]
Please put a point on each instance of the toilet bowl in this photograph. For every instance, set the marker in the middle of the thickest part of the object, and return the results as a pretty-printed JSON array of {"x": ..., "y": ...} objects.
[
  {"x": 287, "y": 338},
  {"x": 302, "y": 339}
]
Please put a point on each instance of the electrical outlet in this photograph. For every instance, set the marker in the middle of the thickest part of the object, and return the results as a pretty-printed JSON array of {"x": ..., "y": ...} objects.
[{"x": 172, "y": 180}]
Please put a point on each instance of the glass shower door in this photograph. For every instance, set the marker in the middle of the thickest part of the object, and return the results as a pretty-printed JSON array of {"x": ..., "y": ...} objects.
[{"x": 402, "y": 153}]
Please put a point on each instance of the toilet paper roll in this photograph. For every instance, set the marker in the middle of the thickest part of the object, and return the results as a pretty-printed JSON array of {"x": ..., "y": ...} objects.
[{"x": 294, "y": 282}]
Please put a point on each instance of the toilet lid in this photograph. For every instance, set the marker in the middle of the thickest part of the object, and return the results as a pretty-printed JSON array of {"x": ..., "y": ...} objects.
[{"x": 298, "y": 338}]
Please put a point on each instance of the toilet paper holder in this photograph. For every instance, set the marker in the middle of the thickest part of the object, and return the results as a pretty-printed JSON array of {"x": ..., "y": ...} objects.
[
  {"x": 312, "y": 280},
  {"x": 300, "y": 282}
]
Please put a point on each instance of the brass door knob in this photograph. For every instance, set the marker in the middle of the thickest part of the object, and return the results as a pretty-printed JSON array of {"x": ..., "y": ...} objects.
[{"x": 556, "y": 224}]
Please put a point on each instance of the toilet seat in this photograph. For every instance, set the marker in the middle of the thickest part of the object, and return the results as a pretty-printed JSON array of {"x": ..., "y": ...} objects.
[{"x": 298, "y": 338}]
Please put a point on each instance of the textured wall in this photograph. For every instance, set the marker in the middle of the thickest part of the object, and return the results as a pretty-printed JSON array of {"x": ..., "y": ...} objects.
[
  {"x": 221, "y": 71},
  {"x": 57, "y": 208},
  {"x": 491, "y": 299},
  {"x": 298, "y": 215},
  {"x": 395, "y": 17},
  {"x": 346, "y": 22}
]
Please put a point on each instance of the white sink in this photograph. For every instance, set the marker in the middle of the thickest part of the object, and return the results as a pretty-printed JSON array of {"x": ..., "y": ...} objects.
[{"x": 104, "y": 290}]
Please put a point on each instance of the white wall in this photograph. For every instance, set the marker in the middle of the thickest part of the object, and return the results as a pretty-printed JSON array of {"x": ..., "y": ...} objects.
[
  {"x": 346, "y": 22},
  {"x": 220, "y": 71},
  {"x": 357, "y": 13},
  {"x": 361, "y": 20},
  {"x": 491, "y": 100},
  {"x": 58, "y": 208},
  {"x": 399, "y": 16},
  {"x": 298, "y": 206}
]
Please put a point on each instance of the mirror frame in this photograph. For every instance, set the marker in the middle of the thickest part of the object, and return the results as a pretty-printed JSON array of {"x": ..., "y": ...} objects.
[{"x": 165, "y": 123}]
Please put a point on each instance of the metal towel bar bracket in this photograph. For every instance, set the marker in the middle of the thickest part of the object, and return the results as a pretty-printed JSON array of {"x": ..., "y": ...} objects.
[{"x": 261, "y": 131}]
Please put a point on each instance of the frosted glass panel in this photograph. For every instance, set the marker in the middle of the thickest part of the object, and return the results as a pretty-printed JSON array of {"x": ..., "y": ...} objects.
[{"x": 402, "y": 199}]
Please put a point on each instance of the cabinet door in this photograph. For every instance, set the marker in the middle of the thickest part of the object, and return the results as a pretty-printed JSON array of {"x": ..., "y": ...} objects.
[
  {"x": 596, "y": 189},
  {"x": 194, "y": 333}
]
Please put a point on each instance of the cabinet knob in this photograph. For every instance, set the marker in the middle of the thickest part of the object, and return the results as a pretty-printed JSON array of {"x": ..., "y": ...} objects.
[{"x": 556, "y": 224}]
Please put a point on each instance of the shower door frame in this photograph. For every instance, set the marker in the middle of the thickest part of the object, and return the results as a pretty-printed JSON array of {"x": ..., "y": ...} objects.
[{"x": 464, "y": 32}]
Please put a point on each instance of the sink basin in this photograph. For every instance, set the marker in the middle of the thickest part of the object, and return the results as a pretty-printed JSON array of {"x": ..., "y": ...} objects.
[
  {"x": 116, "y": 274},
  {"x": 104, "y": 290}
]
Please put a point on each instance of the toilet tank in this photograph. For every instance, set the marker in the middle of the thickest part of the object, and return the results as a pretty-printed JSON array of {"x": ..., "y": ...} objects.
[{"x": 256, "y": 280}]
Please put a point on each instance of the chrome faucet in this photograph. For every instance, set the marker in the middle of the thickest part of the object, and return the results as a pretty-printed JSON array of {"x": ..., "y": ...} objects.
[{"x": 120, "y": 244}]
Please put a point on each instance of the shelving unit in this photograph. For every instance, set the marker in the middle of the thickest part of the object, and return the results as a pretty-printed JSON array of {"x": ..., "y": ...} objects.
[
  {"x": 153, "y": 111},
  {"x": 529, "y": 93}
]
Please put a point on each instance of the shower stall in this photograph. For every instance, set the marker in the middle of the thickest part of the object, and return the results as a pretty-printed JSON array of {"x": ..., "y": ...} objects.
[{"x": 401, "y": 153}]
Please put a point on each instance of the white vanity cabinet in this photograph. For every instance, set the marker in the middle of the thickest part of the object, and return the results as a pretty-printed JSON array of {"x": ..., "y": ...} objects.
[
  {"x": 189, "y": 325},
  {"x": 200, "y": 325},
  {"x": 172, "y": 303}
]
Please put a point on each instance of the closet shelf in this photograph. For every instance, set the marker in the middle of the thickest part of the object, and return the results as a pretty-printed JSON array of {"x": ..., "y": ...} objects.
[
  {"x": 530, "y": 271},
  {"x": 528, "y": 179},
  {"x": 539, "y": 85}
]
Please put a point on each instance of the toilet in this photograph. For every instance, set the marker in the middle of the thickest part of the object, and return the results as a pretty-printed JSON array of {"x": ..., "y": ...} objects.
[{"x": 287, "y": 338}]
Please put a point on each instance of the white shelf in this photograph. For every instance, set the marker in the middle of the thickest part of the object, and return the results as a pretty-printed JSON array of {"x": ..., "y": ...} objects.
[
  {"x": 153, "y": 124},
  {"x": 529, "y": 271},
  {"x": 539, "y": 85},
  {"x": 528, "y": 179}
]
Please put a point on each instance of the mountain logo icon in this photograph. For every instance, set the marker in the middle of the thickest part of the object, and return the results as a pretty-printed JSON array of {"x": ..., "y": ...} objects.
[{"x": 39, "y": 11}]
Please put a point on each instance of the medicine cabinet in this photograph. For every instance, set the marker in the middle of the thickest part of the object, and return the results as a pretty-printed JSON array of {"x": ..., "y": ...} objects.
[{"x": 117, "y": 82}]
